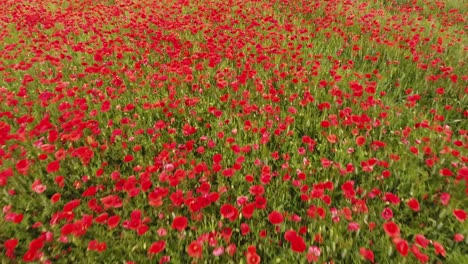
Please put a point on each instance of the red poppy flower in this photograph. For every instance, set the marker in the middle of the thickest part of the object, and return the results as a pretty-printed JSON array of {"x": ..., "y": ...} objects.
[
  {"x": 195, "y": 249},
  {"x": 101, "y": 218},
  {"x": 275, "y": 218},
  {"x": 367, "y": 254},
  {"x": 226, "y": 234},
  {"x": 459, "y": 214},
  {"x": 30, "y": 256},
  {"x": 391, "y": 229},
  {"x": 421, "y": 240},
  {"x": 217, "y": 158},
  {"x": 290, "y": 235},
  {"x": 401, "y": 245},
  {"x": 260, "y": 202},
  {"x": 128, "y": 158},
  {"x": 10, "y": 244},
  {"x": 257, "y": 190},
  {"x": 423, "y": 258},
  {"x": 253, "y": 258},
  {"x": 53, "y": 166},
  {"x": 157, "y": 247},
  {"x": 348, "y": 189},
  {"x": 228, "y": 172},
  {"x": 458, "y": 237},
  {"x": 91, "y": 191},
  {"x": 22, "y": 166},
  {"x": 390, "y": 197},
  {"x": 414, "y": 204},
  {"x": 38, "y": 187},
  {"x": 353, "y": 226},
  {"x": 247, "y": 210},
  {"x": 445, "y": 198},
  {"x": 245, "y": 229},
  {"x": 230, "y": 212},
  {"x": 387, "y": 214},
  {"x": 142, "y": 229},
  {"x": 36, "y": 244},
  {"x": 231, "y": 249},
  {"x": 298, "y": 244},
  {"x": 113, "y": 221},
  {"x": 71, "y": 205},
  {"x": 92, "y": 245},
  {"x": 360, "y": 140},
  {"x": 101, "y": 247},
  {"x": 439, "y": 249},
  {"x": 179, "y": 223}
]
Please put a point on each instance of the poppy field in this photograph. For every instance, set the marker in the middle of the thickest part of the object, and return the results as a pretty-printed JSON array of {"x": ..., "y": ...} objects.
[{"x": 233, "y": 131}]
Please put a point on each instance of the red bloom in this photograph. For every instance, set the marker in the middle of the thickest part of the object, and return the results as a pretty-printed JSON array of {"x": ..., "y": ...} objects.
[
  {"x": 245, "y": 229},
  {"x": 423, "y": 258},
  {"x": 298, "y": 244},
  {"x": 228, "y": 172},
  {"x": 367, "y": 254},
  {"x": 459, "y": 214},
  {"x": 195, "y": 249},
  {"x": 439, "y": 249},
  {"x": 231, "y": 249},
  {"x": 128, "y": 158},
  {"x": 95, "y": 245},
  {"x": 391, "y": 229},
  {"x": 275, "y": 218},
  {"x": 22, "y": 166},
  {"x": 53, "y": 166},
  {"x": 71, "y": 205},
  {"x": 387, "y": 213},
  {"x": 226, "y": 234},
  {"x": 257, "y": 190},
  {"x": 66, "y": 229},
  {"x": 91, "y": 191},
  {"x": 157, "y": 247},
  {"x": 348, "y": 189},
  {"x": 38, "y": 187},
  {"x": 260, "y": 202},
  {"x": 55, "y": 198},
  {"x": 253, "y": 258},
  {"x": 445, "y": 198},
  {"x": 179, "y": 223},
  {"x": 36, "y": 244},
  {"x": 217, "y": 158},
  {"x": 414, "y": 204},
  {"x": 458, "y": 237},
  {"x": 290, "y": 235},
  {"x": 390, "y": 197},
  {"x": 101, "y": 218},
  {"x": 353, "y": 226},
  {"x": 30, "y": 256},
  {"x": 113, "y": 221},
  {"x": 421, "y": 240},
  {"x": 401, "y": 245},
  {"x": 101, "y": 247},
  {"x": 360, "y": 140},
  {"x": 230, "y": 212},
  {"x": 10, "y": 244}
]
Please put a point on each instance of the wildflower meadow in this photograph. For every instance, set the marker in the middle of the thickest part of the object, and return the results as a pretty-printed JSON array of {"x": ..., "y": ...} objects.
[{"x": 233, "y": 131}]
